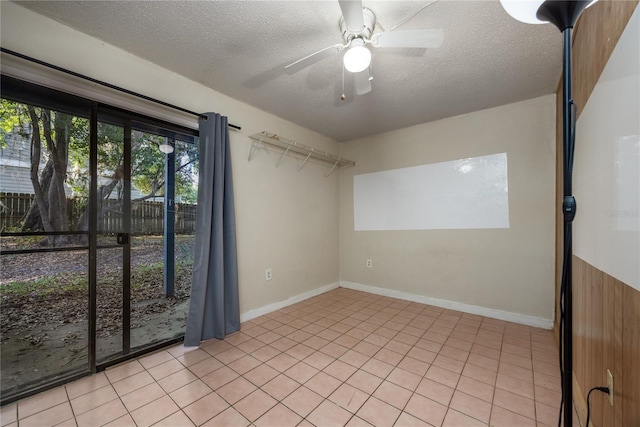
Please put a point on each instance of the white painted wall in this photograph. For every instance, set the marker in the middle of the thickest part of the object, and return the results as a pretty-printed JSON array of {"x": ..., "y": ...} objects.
[
  {"x": 607, "y": 165},
  {"x": 508, "y": 271},
  {"x": 286, "y": 221}
]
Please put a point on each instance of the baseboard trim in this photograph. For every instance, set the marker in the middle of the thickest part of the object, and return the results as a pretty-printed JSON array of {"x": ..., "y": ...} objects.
[
  {"x": 257, "y": 312},
  {"x": 522, "y": 319}
]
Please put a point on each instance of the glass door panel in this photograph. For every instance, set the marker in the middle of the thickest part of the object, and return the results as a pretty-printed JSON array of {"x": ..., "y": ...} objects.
[
  {"x": 186, "y": 198},
  {"x": 44, "y": 246},
  {"x": 44, "y": 318},
  {"x": 112, "y": 227},
  {"x": 158, "y": 301}
]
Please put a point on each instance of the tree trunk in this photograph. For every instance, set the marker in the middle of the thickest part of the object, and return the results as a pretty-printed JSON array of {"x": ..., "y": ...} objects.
[
  {"x": 48, "y": 188},
  {"x": 32, "y": 220},
  {"x": 104, "y": 191},
  {"x": 36, "y": 154},
  {"x": 58, "y": 149}
]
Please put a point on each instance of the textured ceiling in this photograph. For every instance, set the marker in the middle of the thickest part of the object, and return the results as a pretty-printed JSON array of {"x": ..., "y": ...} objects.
[{"x": 240, "y": 48}]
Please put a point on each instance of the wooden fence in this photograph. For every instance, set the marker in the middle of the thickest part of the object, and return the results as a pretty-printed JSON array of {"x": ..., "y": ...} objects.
[{"x": 146, "y": 217}]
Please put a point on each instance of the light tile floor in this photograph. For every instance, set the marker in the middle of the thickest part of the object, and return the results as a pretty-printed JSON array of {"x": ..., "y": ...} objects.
[{"x": 342, "y": 358}]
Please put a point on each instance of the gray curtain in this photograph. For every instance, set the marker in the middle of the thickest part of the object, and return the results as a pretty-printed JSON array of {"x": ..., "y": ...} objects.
[{"x": 214, "y": 309}]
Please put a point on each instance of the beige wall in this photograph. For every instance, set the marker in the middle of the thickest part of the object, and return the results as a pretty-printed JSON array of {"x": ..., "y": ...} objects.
[
  {"x": 286, "y": 221},
  {"x": 301, "y": 224},
  {"x": 503, "y": 270}
]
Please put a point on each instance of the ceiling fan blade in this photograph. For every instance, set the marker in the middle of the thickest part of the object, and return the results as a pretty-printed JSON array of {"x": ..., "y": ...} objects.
[
  {"x": 314, "y": 57},
  {"x": 362, "y": 82},
  {"x": 352, "y": 13},
  {"x": 409, "y": 38}
]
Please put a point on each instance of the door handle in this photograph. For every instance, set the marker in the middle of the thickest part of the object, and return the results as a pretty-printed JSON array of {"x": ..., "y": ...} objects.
[{"x": 122, "y": 238}]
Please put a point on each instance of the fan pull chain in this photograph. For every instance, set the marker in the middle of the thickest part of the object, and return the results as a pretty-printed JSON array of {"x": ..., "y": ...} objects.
[{"x": 343, "y": 96}]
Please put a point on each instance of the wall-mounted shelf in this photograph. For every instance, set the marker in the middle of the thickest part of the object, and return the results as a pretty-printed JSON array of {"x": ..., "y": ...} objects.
[{"x": 290, "y": 146}]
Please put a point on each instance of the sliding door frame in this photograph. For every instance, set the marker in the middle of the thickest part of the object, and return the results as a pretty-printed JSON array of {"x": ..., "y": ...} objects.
[{"x": 29, "y": 93}]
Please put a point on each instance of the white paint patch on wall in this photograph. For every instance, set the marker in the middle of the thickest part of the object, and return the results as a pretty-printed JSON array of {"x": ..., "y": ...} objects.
[
  {"x": 459, "y": 194},
  {"x": 607, "y": 165},
  {"x": 507, "y": 269}
]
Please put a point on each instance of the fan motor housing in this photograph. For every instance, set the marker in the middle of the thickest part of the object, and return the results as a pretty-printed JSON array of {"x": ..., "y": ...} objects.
[{"x": 369, "y": 19}]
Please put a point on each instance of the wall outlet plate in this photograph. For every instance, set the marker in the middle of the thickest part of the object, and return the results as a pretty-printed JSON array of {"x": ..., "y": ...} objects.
[
  {"x": 267, "y": 274},
  {"x": 369, "y": 263},
  {"x": 610, "y": 385}
]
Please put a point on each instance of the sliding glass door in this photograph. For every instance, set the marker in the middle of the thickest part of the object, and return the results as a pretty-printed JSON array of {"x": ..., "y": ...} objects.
[{"x": 97, "y": 223}]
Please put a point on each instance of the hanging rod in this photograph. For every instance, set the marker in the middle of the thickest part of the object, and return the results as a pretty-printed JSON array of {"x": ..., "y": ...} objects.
[
  {"x": 292, "y": 146},
  {"x": 108, "y": 85}
]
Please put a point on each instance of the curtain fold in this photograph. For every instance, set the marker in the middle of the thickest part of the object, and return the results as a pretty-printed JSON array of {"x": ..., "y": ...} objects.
[{"x": 214, "y": 309}]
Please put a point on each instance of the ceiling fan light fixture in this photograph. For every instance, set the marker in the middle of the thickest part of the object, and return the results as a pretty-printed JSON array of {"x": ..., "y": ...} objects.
[{"x": 357, "y": 58}]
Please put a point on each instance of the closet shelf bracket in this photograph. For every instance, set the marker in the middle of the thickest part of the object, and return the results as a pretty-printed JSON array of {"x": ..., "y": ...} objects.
[
  {"x": 289, "y": 146},
  {"x": 255, "y": 145},
  {"x": 284, "y": 154}
]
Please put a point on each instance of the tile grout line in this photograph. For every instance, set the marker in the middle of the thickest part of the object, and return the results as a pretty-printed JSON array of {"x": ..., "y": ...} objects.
[{"x": 394, "y": 318}]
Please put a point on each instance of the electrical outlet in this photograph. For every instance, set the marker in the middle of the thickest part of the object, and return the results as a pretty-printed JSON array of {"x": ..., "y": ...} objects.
[
  {"x": 610, "y": 385},
  {"x": 267, "y": 274},
  {"x": 369, "y": 263}
]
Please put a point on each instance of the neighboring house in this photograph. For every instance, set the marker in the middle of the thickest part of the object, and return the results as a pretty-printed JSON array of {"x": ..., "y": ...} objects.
[
  {"x": 14, "y": 176},
  {"x": 15, "y": 166}
]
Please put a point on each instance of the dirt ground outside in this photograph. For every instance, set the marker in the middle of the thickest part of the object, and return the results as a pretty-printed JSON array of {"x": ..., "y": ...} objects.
[{"x": 44, "y": 307}]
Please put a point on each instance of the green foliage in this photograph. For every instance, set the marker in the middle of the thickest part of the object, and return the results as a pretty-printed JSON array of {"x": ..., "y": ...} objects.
[
  {"x": 67, "y": 283},
  {"x": 142, "y": 274},
  {"x": 148, "y": 167},
  {"x": 78, "y": 176},
  {"x": 147, "y": 162},
  {"x": 188, "y": 193},
  {"x": 187, "y": 171},
  {"x": 151, "y": 268},
  {"x": 15, "y": 119},
  {"x": 12, "y": 118},
  {"x": 21, "y": 242},
  {"x": 45, "y": 286}
]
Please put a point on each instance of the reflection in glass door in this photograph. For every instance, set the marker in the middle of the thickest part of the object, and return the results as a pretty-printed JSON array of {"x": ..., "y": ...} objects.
[{"x": 163, "y": 196}]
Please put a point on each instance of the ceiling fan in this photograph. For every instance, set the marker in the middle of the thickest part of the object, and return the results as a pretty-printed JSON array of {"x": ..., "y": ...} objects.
[{"x": 357, "y": 26}]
